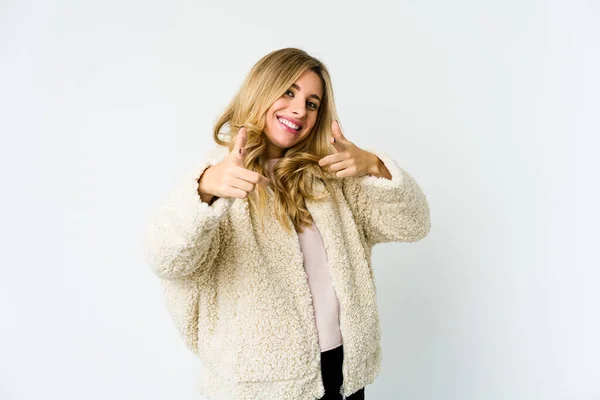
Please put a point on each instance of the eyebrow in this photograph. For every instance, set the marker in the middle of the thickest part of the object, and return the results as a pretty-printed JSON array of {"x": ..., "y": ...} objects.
[{"x": 298, "y": 89}]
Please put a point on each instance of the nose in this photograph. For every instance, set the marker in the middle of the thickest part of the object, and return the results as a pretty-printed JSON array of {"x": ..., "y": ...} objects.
[{"x": 299, "y": 107}]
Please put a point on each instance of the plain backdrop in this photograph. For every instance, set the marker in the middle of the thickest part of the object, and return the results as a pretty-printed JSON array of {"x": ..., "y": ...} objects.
[{"x": 492, "y": 106}]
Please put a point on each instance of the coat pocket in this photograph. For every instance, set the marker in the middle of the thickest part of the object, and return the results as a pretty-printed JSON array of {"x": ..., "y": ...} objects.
[{"x": 273, "y": 342}]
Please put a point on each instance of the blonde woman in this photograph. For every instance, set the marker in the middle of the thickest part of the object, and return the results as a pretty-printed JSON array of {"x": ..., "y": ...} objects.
[{"x": 264, "y": 248}]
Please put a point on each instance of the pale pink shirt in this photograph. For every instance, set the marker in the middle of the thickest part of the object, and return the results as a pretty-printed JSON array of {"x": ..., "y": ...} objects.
[{"x": 325, "y": 301}]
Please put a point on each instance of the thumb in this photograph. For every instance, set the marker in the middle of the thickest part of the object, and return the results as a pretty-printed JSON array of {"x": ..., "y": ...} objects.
[
  {"x": 239, "y": 147},
  {"x": 339, "y": 139}
]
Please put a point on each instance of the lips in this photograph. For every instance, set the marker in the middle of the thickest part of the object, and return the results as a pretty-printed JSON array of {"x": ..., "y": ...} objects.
[
  {"x": 284, "y": 125},
  {"x": 292, "y": 120}
]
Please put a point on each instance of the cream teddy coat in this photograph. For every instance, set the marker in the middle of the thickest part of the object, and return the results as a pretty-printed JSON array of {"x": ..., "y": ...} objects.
[{"x": 239, "y": 296}]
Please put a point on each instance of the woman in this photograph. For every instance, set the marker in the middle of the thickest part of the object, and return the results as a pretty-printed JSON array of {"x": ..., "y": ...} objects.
[{"x": 264, "y": 248}]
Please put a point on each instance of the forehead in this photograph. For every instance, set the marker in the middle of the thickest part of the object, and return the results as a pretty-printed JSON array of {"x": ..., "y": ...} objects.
[{"x": 310, "y": 82}]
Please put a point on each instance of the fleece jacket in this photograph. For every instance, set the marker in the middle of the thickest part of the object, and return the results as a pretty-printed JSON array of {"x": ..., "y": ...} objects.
[{"x": 238, "y": 295}]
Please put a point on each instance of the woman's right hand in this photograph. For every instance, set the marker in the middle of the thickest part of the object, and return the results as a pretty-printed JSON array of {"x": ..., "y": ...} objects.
[{"x": 229, "y": 178}]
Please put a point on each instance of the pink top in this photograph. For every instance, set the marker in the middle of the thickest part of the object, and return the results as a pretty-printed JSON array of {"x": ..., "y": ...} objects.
[{"x": 325, "y": 301}]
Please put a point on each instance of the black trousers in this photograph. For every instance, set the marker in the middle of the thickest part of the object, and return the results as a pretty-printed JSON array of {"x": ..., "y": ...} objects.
[{"x": 331, "y": 371}]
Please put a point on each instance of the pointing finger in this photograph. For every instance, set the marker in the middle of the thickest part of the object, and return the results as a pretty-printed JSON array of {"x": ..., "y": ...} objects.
[{"x": 262, "y": 180}]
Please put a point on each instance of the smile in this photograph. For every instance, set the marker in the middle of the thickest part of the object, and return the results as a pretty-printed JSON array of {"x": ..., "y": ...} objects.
[{"x": 289, "y": 124}]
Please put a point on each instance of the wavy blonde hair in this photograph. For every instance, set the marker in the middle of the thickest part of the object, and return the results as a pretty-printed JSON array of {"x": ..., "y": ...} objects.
[{"x": 298, "y": 170}]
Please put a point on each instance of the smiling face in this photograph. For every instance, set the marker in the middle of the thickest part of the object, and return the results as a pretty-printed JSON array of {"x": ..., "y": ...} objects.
[{"x": 291, "y": 118}]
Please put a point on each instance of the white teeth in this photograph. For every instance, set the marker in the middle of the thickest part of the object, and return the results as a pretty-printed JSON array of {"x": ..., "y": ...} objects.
[{"x": 288, "y": 123}]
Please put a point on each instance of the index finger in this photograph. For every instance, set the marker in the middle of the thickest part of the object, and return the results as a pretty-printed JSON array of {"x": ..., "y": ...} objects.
[
  {"x": 252, "y": 176},
  {"x": 330, "y": 159}
]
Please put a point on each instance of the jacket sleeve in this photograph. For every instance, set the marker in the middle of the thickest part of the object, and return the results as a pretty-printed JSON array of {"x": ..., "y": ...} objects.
[
  {"x": 183, "y": 235},
  {"x": 393, "y": 210}
]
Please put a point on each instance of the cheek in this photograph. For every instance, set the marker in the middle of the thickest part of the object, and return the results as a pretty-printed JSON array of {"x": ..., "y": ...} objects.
[
  {"x": 270, "y": 114},
  {"x": 310, "y": 125},
  {"x": 313, "y": 120},
  {"x": 278, "y": 105}
]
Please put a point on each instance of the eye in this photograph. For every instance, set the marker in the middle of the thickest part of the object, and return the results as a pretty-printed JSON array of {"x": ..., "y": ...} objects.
[
  {"x": 312, "y": 105},
  {"x": 289, "y": 93}
]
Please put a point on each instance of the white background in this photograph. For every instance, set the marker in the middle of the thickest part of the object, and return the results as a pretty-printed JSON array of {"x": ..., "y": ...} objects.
[{"x": 491, "y": 106}]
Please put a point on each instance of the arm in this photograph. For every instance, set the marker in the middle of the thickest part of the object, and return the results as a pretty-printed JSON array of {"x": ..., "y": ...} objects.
[
  {"x": 389, "y": 210},
  {"x": 183, "y": 233}
]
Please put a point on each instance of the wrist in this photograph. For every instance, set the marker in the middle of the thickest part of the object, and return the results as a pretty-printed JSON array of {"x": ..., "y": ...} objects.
[
  {"x": 379, "y": 169},
  {"x": 375, "y": 166},
  {"x": 203, "y": 192}
]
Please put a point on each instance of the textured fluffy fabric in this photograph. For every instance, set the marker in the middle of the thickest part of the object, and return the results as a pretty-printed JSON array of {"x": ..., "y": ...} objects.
[{"x": 239, "y": 296}]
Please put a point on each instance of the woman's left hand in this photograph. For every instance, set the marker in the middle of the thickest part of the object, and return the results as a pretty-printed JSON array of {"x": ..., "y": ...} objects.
[{"x": 349, "y": 159}]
